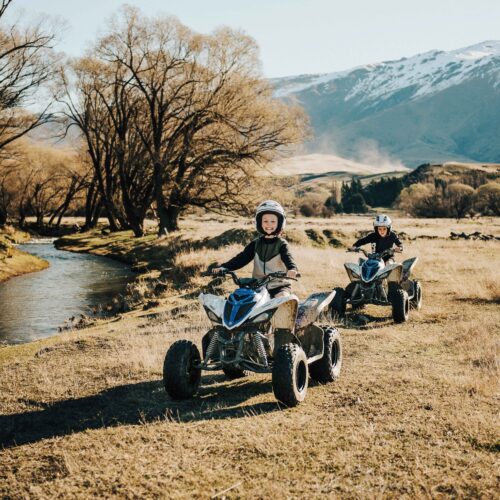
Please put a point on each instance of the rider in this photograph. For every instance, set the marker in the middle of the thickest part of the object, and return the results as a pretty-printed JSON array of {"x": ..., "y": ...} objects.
[
  {"x": 270, "y": 253},
  {"x": 382, "y": 238}
]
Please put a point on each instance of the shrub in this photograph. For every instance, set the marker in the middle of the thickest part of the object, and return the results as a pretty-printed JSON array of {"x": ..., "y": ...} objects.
[
  {"x": 487, "y": 199},
  {"x": 314, "y": 207},
  {"x": 354, "y": 203}
]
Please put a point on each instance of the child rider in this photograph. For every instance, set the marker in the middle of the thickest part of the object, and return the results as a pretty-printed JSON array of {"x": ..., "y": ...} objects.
[
  {"x": 270, "y": 253},
  {"x": 382, "y": 238}
]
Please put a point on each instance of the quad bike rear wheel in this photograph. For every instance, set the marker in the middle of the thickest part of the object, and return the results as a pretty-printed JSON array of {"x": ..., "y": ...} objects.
[
  {"x": 181, "y": 374},
  {"x": 400, "y": 305},
  {"x": 416, "y": 300},
  {"x": 327, "y": 369},
  {"x": 290, "y": 375},
  {"x": 337, "y": 305}
]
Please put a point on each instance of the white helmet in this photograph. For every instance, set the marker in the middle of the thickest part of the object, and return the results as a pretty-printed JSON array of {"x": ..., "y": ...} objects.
[
  {"x": 270, "y": 207},
  {"x": 382, "y": 221}
]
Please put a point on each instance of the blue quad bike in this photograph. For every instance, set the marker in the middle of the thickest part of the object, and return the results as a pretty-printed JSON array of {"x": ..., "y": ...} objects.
[
  {"x": 252, "y": 332},
  {"x": 373, "y": 282}
]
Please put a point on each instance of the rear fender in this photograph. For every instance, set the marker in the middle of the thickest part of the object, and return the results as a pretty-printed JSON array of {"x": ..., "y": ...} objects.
[
  {"x": 311, "y": 308},
  {"x": 311, "y": 339}
]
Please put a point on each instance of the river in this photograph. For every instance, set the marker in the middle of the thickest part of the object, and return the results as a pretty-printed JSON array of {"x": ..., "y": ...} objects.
[{"x": 34, "y": 305}]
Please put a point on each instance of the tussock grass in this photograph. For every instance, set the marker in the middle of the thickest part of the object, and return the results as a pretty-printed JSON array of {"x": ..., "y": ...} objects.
[{"x": 414, "y": 413}]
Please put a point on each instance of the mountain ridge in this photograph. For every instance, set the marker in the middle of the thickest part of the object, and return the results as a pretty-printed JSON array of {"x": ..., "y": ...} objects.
[{"x": 432, "y": 107}]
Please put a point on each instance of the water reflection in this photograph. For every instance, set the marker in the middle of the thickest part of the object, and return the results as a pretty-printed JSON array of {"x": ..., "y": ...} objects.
[{"x": 34, "y": 305}]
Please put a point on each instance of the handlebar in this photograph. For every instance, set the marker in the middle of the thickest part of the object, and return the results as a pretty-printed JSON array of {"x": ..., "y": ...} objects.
[
  {"x": 373, "y": 255},
  {"x": 261, "y": 281}
]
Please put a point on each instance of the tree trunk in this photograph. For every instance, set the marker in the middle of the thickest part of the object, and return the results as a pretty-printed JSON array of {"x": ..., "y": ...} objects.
[
  {"x": 3, "y": 217},
  {"x": 92, "y": 205},
  {"x": 172, "y": 218},
  {"x": 111, "y": 218},
  {"x": 138, "y": 229},
  {"x": 95, "y": 215},
  {"x": 161, "y": 208}
]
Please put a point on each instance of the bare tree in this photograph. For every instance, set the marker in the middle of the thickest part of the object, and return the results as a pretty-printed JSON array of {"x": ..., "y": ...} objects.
[
  {"x": 155, "y": 55},
  {"x": 211, "y": 121},
  {"x": 80, "y": 91},
  {"x": 25, "y": 65}
]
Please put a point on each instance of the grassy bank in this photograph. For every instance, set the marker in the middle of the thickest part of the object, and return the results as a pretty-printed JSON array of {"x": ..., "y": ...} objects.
[
  {"x": 14, "y": 262},
  {"x": 414, "y": 413}
]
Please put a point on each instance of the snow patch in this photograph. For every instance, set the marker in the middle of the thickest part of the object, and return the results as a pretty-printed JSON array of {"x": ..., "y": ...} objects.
[{"x": 425, "y": 73}]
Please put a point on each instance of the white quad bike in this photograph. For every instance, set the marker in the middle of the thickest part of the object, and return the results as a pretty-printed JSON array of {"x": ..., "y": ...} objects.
[
  {"x": 252, "y": 332},
  {"x": 373, "y": 282}
]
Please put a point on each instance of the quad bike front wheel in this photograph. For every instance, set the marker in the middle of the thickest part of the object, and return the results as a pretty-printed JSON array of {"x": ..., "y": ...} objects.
[
  {"x": 416, "y": 300},
  {"x": 348, "y": 295},
  {"x": 181, "y": 372},
  {"x": 400, "y": 305},
  {"x": 327, "y": 369},
  {"x": 290, "y": 375}
]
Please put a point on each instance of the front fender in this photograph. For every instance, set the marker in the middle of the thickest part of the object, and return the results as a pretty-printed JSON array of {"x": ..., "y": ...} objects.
[
  {"x": 213, "y": 302},
  {"x": 392, "y": 272},
  {"x": 353, "y": 271},
  {"x": 286, "y": 311}
]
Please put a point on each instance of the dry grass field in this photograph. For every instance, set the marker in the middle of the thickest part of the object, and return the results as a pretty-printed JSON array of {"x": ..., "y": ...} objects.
[
  {"x": 14, "y": 262},
  {"x": 414, "y": 413}
]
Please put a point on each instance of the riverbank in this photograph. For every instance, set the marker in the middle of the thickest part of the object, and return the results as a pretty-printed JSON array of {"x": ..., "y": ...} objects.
[
  {"x": 14, "y": 262},
  {"x": 414, "y": 413}
]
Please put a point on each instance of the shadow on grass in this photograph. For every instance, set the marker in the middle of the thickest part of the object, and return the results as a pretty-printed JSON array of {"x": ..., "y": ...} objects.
[
  {"x": 478, "y": 301},
  {"x": 363, "y": 321},
  {"x": 134, "y": 404}
]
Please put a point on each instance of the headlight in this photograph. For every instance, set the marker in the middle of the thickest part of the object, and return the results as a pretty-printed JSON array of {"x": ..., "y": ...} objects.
[
  {"x": 262, "y": 317},
  {"x": 213, "y": 316}
]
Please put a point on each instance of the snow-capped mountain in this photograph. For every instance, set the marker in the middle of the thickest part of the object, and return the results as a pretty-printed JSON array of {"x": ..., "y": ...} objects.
[{"x": 430, "y": 107}]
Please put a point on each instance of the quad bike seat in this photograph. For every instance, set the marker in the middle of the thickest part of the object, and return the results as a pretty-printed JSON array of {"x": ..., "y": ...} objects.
[{"x": 310, "y": 309}]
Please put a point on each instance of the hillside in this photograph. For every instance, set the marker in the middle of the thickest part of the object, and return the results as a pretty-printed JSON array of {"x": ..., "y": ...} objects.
[
  {"x": 454, "y": 171},
  {"x": 432, "y": 107}
]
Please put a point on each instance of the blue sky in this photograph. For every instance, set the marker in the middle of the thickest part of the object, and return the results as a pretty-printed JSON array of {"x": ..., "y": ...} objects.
[{"x": 303, "y": 36}]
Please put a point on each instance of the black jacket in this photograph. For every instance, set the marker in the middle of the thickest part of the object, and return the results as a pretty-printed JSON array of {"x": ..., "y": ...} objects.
[
  {"x": 275, "y": 245},
  {"x": 379, "y": 243}
]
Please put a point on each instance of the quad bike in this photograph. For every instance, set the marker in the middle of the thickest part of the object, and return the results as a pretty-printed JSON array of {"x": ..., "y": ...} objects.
[
  {"x": 253, "y": 332},
  {"x": 373, "y": 282}
]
